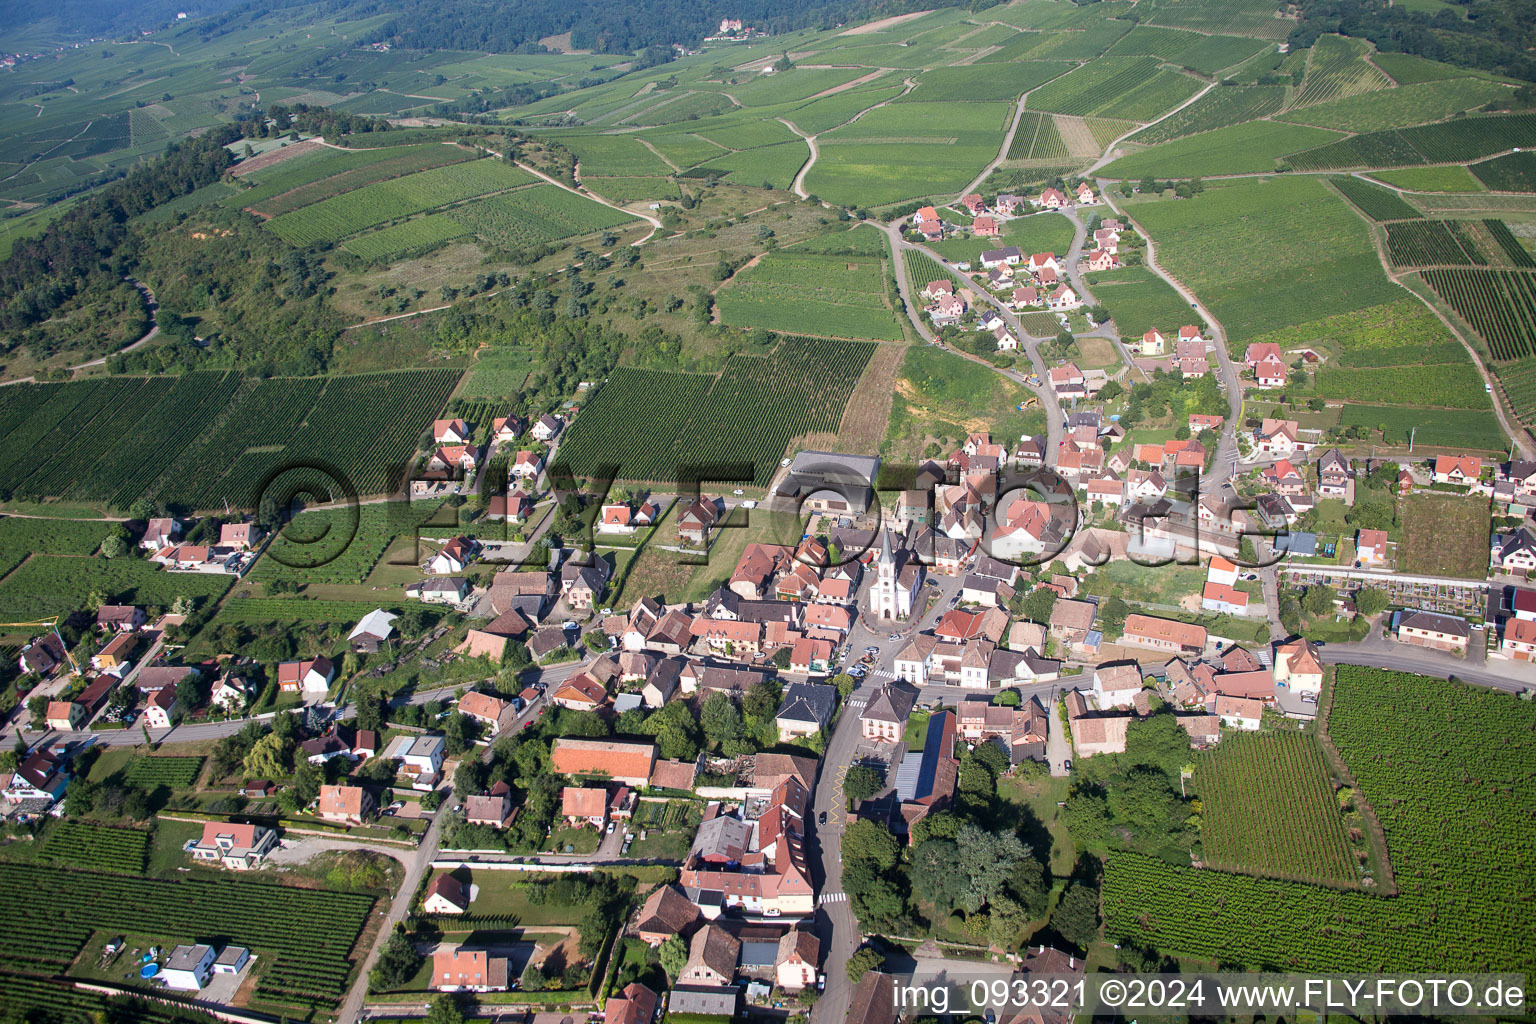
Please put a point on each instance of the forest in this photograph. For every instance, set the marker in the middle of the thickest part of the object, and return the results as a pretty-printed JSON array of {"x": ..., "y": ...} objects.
[{"x": 1492, "y": 35}]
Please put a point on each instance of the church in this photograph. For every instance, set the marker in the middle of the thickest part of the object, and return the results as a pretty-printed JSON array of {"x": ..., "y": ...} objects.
[{"x": 898, "y": 577}]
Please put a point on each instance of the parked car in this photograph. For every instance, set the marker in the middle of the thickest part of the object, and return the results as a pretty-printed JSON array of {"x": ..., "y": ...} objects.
[{"x": 821, "y": 819}]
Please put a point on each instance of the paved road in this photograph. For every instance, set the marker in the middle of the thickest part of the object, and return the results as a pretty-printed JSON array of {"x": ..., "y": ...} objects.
[
  {"x": 202, "y": 731},
  {"x": 1055, "y": 420},
  {"x": 1376, "y": 652}
]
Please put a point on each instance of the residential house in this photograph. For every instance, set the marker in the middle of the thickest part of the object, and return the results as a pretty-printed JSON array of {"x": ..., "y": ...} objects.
[
  {"x": 159, "y": 707},
  {"x": 1084, "y": 194},
  {"x": 1008, "y": 255},
  {"x": 1459, "y": 470},
  {"x": 455, "y": 969},
  {"x": 235, "y": 846},
  {"x": 120, "y": 618},
  {"x": 1334, "y": 476},
  {"x": 973, "y": 203},
  {"x": 806, "y": 709},
  {"x": 1371, "y": 547},
  {"x": 420, "y": 757},
  {"x": 547, "y": 428},
  {"x": 527, "y": 466},
  {"x": 508, "y": 508},
  {"x": 1071, "y": 620},
  {"x": 484, "y": 709},
  {"x": 1223, "y": 599},
  {"x": 40, "y": 776},
  {"x": 712, "y": 957},
  {"x": 1240, "y": 712},
  {"x": 445, "y": 895},
  {"x": 624, "y": 519},
  {"x": 1299, "y": 667},
  {"x": 1277, "y": 437},
  {"x": 188, "y": 968},
  {"x": 64, "y": 715},
  {"x": 493, "y": 808},
  {"x": 1095, "y": 732},
  {"x": 1008, "y": 203},
  {"x": 1515, "y": 553},
  {"x": 1063, "y": 299},
  {"x": 454, "y": 431},
  {"x": 454, "y": 556},
  {"x": 1519, "y": 641},
  {"x": 439, "y": 590},
  {"x": 884, "y": 717},
  {"x": 666, "y": 912},
  {"x": 1163, "y": 634},
  {"x": 1052, "y": 199},
  {"x": 581, "y": 692},
  {"x": 43, "y": 655},
  {"x": 873, "y": 1000},
  {"x": 1153, "y": 343},
  {"x": 634, "y": 1004},
  {"x": 159, "y": 533},
  {"x": 621, "y": 761},
  {"x": 1284, "y": 478},
  {"x": 346, "y": 805},
  {"x": 583, "y": 586},
  {"x": 794, "y": 965},
  {"x": 986, "y": 227},
  {"x": 1101, "y": 259},
  {"x": 1116, "y": 683},
  {"x": 507, "y": 428},
  {"x": 695, "y": 522},
  {"x": 313, "y": 676},
  {"x": 1434, "y": 630},
  {"x": 583, "y": 805}
]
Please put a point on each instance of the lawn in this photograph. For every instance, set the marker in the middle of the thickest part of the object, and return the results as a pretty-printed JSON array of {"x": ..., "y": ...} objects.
[
  {"x": 1043, "y": 796},
  {"x": 1262, "y": 253},
  {"x": 505, "y": 893},
  {"x": 47, "y": 585},
  {"x": 1444, "y": 535}
]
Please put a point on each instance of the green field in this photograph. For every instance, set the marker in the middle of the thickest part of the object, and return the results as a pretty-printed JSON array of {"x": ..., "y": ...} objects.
[
  {"x": 1474, "y": 431},
  {"x": 1139, "y": 301},
  {"x": 339, "y": 545},
  {"x": 1262, "y": 253},
  {"x": 741, "y": 422},
  {"x": 807, "y": 293},
  {"x": 1454, "y": 839},
  {"x": 1399, "y": 108},
  {"x": 943, "y": 396},
  {"x": 320, "y": 174},
  {"x": 1238, "y": 149},
  {"x": 49, "y": 585},
  {"x": 1500, "y": 305},
  {"x": 1130, "y": 87}
]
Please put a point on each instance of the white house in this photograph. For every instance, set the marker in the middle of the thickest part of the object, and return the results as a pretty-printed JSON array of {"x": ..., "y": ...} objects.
[
  {"x": 1114, "y": 685},
  {"x": 188, "y": 968}
]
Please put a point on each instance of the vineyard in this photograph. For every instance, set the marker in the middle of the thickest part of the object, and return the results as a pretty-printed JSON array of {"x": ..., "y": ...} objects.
[
  {"x": 1216, "y": 109},
  {"x": 1449, "y": 769},
  {"x": 298, "y": 183},
  {"x": 304, "y": 935},
  {"x": 163, "y": 770},
  {"x": 832, "y": 296},
  {"x": 530, "y": 216},
  {"x": 749, "y": 414},
  {"x": 1269, "y": 809},
  {"x": 1433, "y": 242},
  {"x": 1514, "y": 252},
  {"x": 338, "y": 545},
  {"x": 1374, "y": 201},
  {"x": 1038, "y": 139},
  {"x": 922, "y": 269},
  {"x": 400, "y": 240},
  {"x": 1449, "y": 142},
  {"x": 1336, "y": 67},
  {"x": 1448, "y": 428},
  {"x": 1519, "y": 383},
  {"x": 38, "y": 999},
  {"x": 1128, "y": 87},
  {"x": 267, "y": 611},
  {"x": 22, "y": 537},
  {"x": 209, "y": 437},
  {"x": 1513, "y": 172},
  {"x": 96, "y": 847},
  {"x": 333, "y": 219},
  {"x": 1498, "y": 304}
]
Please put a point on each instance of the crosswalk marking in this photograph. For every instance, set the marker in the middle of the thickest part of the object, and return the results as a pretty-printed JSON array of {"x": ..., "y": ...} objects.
[
  {"x": 832, "y": 897},
  {"x": 857, "y": 703}
]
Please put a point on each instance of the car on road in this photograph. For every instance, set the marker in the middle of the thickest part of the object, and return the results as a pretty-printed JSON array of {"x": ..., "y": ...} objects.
[
  {"x": 783, "y": 463},
  {"x": 611, "y": 826},
  {"x": 738, "y": 492},
  {"x": 871, "y": 650},
  {"x": 568, "y": 624},
  {"x": 772, "y": 911},
  {"x": 821, "y": 819},
  {"x": 1067, "y": 764},
  {"x": 894, "y": 636},
  {"x": 1250, "y": 576}
]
